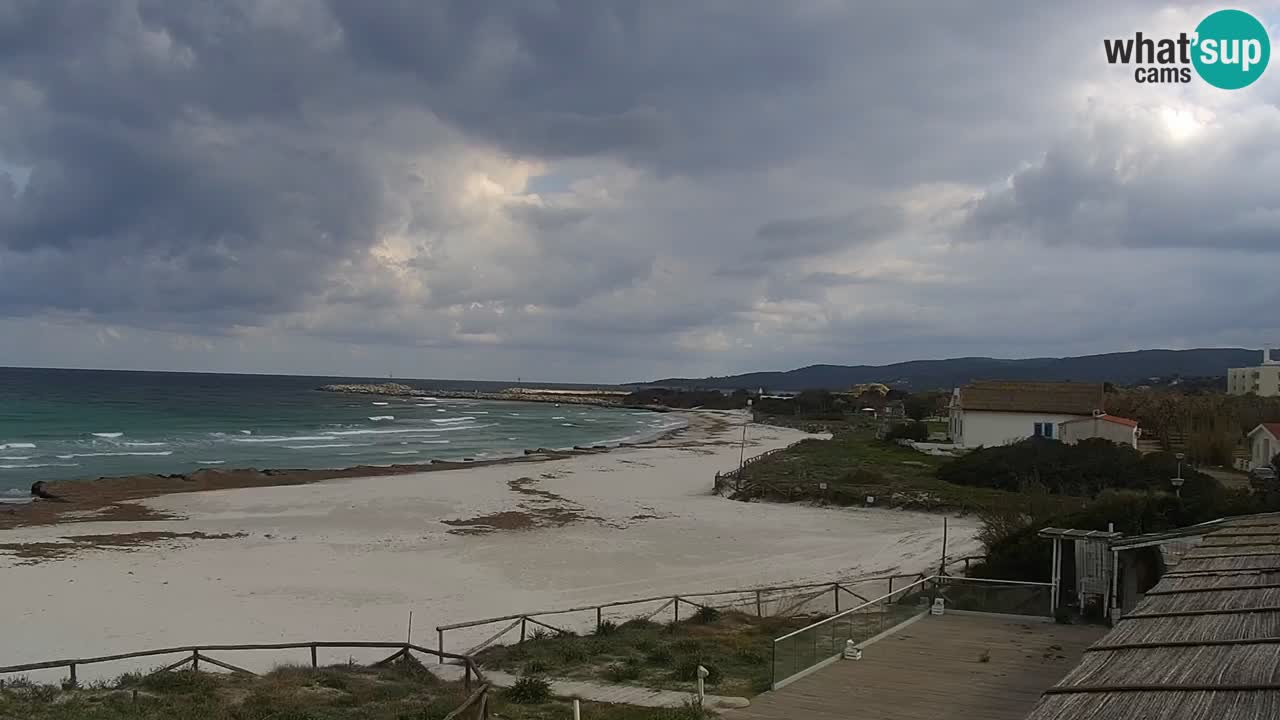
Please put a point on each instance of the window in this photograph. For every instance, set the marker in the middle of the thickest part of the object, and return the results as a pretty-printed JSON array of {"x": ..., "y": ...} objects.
[{"x": 1044, "y": 430}]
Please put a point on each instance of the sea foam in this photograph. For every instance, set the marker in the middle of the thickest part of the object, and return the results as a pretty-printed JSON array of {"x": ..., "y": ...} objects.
[
  {"x": 112, "y": 454},
  {"x": 15, "y": 446},
  {"x": 107, "y": 435},
  {"x": 377, "y": 418}
]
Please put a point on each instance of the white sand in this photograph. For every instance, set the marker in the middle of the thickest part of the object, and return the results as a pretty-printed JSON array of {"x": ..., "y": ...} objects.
[{"x": 348, "y": 559}]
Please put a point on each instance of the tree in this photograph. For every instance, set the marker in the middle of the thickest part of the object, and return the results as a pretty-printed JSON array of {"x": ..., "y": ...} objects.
[
  {"x": 1275, "y": 463},
  {"x": 919, "y": 406}
]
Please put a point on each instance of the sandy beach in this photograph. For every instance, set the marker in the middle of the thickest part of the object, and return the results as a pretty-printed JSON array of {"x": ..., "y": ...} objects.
[{"x": 349, "y": 558}]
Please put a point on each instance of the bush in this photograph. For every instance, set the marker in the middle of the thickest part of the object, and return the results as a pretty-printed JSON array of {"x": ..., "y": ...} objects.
[
  {"x": 706, "y": 615},
  {"x": 687, "y": 669},
  {"x": 529, "y": 690},
  {"x": 639, "y": 624},
  {"x": 606, "y": 627},
  {"x": 917, "y": 431},
  {"x": 660, "y": 655},
  {"x": 540, "y": 633},
  {"x": 535, "y": 667},
  {"x": 624, "y": 671},
  {"x": 570, "y": 650}
]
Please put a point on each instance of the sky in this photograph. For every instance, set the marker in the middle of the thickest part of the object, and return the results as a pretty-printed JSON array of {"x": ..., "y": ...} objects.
[{"x": 610, "y": 191}]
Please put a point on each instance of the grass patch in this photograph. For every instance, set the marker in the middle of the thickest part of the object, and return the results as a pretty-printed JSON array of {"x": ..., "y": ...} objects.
[
  {"x": 734, "y": 646},
  {"x": 855, "y": 465}
]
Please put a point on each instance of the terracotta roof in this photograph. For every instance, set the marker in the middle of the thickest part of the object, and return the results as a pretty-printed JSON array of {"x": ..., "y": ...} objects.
[
  {"x": 1042, "y": 397},
  {"x": 1107, "y": 418},
  {"x": 1273, "y": 428}
]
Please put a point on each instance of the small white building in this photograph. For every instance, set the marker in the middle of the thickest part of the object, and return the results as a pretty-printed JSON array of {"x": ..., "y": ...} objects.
[
  {"x": 1108, "y": 427},
  {"x": 1264, "y": 444},
  {"x": 1261, "y": 380},
  {"x": 990, "y": 413}
]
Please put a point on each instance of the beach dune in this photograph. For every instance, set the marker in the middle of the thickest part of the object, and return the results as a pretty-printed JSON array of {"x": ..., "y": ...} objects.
[{"x": 348, "y": 559}]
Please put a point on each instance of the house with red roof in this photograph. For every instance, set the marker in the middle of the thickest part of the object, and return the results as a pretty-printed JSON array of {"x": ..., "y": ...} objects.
[
  {"x": 1117, "y": 429},
  {"x": 1264, "y": 444}
]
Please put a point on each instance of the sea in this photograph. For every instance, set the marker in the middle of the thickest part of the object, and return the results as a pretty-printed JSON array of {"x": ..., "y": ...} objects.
[{"x": 74, "y": 424}]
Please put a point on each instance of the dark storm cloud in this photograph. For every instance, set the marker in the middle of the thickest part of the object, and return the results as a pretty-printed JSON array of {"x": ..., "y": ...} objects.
[{"x": 656, "y": 180}]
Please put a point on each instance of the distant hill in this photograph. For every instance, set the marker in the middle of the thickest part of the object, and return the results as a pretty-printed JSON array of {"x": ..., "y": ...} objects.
[{"x": 1126, "y": 368}]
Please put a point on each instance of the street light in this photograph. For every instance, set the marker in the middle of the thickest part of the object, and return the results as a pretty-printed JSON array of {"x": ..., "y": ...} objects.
[{"x": 1178, "y": 481}]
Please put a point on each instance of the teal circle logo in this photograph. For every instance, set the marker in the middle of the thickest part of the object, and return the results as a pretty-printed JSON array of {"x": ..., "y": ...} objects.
[{"x": 1231, "y": 49}]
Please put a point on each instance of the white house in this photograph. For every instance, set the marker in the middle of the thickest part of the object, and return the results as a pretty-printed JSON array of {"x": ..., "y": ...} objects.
[
  {"x": 989, "y": 413},
  {"x": 1108, "y": 427},
  {"x": 1261, "y": 380},
  {"x": 1264, "y": 444}
]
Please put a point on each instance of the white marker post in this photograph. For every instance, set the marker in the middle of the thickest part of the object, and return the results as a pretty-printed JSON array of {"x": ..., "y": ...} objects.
[
  {"x": 577, "y": 710},
  {"x": 702, "y": 674}
]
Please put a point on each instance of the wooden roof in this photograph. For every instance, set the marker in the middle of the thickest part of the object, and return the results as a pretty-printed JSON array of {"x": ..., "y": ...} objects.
[
  {"x": 1203, "y": 644},
  {"x": 1061, "y": 398}
]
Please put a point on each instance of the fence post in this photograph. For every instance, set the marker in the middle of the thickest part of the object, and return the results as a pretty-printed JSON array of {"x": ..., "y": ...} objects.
[
  {"x": 466, "y": 679},
  {"x": 835, "y": 592},
  {"x": 759, "y": 605},
  {"x": 524, "y": 621},
  {"x": 890, "y": 584},
  {"x": 73, "y": 674},
  {"x": 195, "y": 660},
  {"x": 599, "y": 619},
  {"x": 677, "y": 607},
  {"x": 440, "y": 643},
  {"x": 313, "y": 657}
]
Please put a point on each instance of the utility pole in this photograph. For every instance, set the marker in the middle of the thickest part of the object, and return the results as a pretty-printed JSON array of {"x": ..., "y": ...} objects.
[{"x": 742, "y": 454}]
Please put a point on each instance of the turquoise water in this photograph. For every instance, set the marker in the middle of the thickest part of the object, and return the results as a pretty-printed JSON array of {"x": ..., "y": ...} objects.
[{"x": 71, "y": 424}]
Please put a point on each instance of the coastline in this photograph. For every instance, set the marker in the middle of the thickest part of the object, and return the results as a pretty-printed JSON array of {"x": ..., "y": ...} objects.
[
  {"x": 112, "y": 498},
  {"x": 352, "y": 556}
]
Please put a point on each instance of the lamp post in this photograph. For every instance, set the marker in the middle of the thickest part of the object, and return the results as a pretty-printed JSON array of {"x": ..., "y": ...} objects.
[
  {"x": 742, "y": 454},
  {"x": 1178, "y": 481}
]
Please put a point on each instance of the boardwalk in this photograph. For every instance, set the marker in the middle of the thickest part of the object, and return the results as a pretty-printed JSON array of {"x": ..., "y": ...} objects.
[{"x": 934, "y": 670}]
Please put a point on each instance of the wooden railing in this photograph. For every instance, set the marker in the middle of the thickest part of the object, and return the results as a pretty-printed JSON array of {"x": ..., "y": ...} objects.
[
  {"x": 477, "y": 699},
  {"x": 732, "y": 479},
  {"x": 788, "y": 600}
]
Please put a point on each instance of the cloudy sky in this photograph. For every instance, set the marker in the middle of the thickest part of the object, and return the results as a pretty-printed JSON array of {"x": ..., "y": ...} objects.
[{"x": 611, "y": 191}]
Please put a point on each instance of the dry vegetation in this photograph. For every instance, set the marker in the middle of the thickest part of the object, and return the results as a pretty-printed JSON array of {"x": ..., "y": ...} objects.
[
  {"x": 403, "y": 691},
  {"x": 735, "y": 647}
]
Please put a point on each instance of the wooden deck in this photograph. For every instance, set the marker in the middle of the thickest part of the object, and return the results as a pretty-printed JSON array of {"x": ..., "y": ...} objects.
[{"x": 933, "y": 670}]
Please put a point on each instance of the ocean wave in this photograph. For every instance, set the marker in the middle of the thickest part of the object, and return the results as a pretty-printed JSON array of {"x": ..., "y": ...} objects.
[
  {"x": 558, "y": 417},
  {"x": 377, "y": 418},
  {"x": 325, "y": 445},
  {"x": 567, "y": 425},
  {"x": 246, "y": 432},
  {"x": 113, "y": 454},
  {"x": 425, "y": 405},
  {"x": 16, "y": 446},
  {"x": 272, "y": 439},
  {"x": 453, "y": 420},
  {"x": 343, "y": 433},
  {"x": 146, "y": 444},
  {"x": 380, "y": 403},
  {"x": 107, "y": 435},
  {"x": 402, "y": 452},
  {"x": 210, "y": 462},
  {"x": 16, "y": 457},
  {"x": 15, "y": 492},
  {"x": 37, "y": 465}
]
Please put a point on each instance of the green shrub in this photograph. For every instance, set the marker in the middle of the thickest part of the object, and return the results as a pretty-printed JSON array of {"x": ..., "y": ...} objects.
[
  {"x": 749, "y": 654},
  {"x": 917, "y": 431},
  {"x": 529, "y": 690},
  {"x": 623, "y": 671},
  {"x": 706, "y": 615},
  {"x": 571, "y": 650},
  {"x": 639, "y": 624},
  {"x": 535, "y": 667},
  {"x": 660, "y": 655},
  {"x": 606, "y": 627},
  {"x": 687, "y": 646},
  {"x": 686, "y": 668},
  {"x": 644, "y": 644},
  {"x": 540, "y": 633}
]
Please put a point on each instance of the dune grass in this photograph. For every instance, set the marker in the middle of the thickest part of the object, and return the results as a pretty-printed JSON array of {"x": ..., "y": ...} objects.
[
  {"x": 854, "y": 465},
  {"x": 735, "y": 647},
  {"x": 402, "y": 691}
]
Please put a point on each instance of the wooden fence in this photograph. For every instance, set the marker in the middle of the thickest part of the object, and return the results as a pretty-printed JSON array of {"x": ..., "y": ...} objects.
[
  {"x": 477, "y": 701},
  {"x": 784, "y": 600},
  {"x": 732, "y": 480}
]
